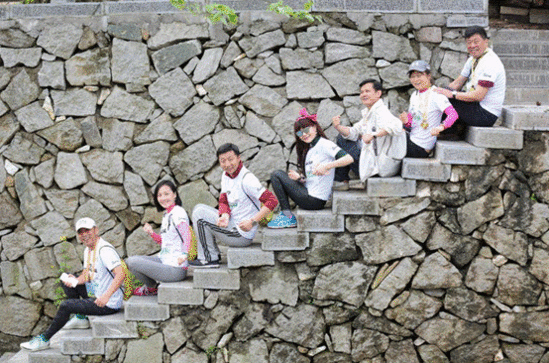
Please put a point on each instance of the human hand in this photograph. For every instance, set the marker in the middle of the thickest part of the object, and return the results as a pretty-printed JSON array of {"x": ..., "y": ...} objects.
[
  {"x": 102, "y": 300},
  {"x": 367, "y": 138},
  {"x": 403, "y": 117},
  {"x": 336, "y": 121},
  {"x": 246, "y": 225},
  {"x": 435, "y": 131},
  {"x": 294, "y": 175},
  {"x": 321, "y": 169},
  {"x": 223, "y": 221},
  {"x": 181, "y": 259},
  {"x": 148, "y": 229}
]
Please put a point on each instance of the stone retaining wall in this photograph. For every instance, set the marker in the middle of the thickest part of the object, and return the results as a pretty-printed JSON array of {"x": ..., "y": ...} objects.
[{"x": 96, "y": 110}]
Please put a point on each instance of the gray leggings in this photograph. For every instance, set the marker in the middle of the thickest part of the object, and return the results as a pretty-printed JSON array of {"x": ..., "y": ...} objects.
[{"x": 150, "y": 269}]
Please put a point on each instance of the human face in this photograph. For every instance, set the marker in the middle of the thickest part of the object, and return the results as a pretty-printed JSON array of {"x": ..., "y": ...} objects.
[
  {"x": 476, "y": 45},
  {"x": 420, "y": 80},
  {"x": 166, "y": 197},
  {"x": 88, "y": 237},
  {"x": 368, "y": 95},
  {"x": 307, "y": 134},
  {"x": 229, "y": 162}
]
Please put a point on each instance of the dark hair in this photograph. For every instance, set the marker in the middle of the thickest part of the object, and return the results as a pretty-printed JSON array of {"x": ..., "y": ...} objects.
[
  {"x": 302, "y": 147},
  {"x": 225, "y": 148},
  {"x": 375, "y": 83},
  {"x": 472, "y": 30},
  {"x": 172, "y": 187}
]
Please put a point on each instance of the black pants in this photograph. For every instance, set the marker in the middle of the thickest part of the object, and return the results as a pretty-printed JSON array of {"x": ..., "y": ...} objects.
[
  {"x": 413, "y": 150},
  {"x": 77, "y": 302},
  {"x": 285, "y": 188},
  {"x": 352, "y": 148},
  {"x": 472, "y": 114}
]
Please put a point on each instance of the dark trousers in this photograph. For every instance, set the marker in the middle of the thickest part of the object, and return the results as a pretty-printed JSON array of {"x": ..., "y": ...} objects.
[
  {"x": 286, "y": 188},
  {"x": 413, "y": 150},
  {"x": 352, "y": 148},
  {"x": 472, "y": 114},
  {"x": 77, "y": 302}
]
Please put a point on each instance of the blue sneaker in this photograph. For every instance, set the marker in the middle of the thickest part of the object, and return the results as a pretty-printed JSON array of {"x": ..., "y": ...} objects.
[{"x": 283, "y": 222}]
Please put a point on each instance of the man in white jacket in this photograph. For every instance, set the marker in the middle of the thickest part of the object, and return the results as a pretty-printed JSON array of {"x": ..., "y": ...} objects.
[{"x": 377, "y": 142}]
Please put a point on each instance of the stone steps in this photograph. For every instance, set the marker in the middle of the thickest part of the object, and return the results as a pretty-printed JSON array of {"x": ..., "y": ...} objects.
[
  {"x": 287, "y": 239},
  {"x": 145, "y": 308},
  {"x": 459, "y": 153},
  {"x": 355, "y": 203},
  {"x": 526, "y": 96},
  {"x": 81, "y": 342},
  {"x": 252, "y": 256},
  {"x": 526, "y": 117},
  {"x": 113, "y": 326},
  {"x": 495, "y": 137},
  {"x": 53, "y": 355},
  {"x": 319, "y": 221},
  {"x": 525, "y": 63},
  {"x": 534, "y": 79},
  {"x": 221, "y": 278},
  {"x": 180, "y": 293},
  {"x": 390, "y": 187},
  {"x": 426, "y": 169},
  {"x": 522, "y": 48}
]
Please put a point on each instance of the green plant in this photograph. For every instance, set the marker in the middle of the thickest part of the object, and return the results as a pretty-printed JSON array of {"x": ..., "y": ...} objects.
[
  {"x": 211, "y": 351},
  {"x": 305, "y": 13},
  {"x": 533, "y": 197}
]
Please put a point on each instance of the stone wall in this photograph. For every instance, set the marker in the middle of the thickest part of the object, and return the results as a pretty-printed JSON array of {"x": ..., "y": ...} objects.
[{"x": 96, "y": 110}]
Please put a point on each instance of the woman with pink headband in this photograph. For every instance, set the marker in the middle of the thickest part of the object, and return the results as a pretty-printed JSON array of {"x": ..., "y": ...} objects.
[{"x": 311, "y": 186}]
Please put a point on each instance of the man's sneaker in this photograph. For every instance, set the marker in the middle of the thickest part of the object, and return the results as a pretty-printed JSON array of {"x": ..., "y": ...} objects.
[
  {"x": 77, "y": 323},
  {"x": 36, "y": 343},
  {"x": 283, "y": 222},
  {"x": 341, "y": 186},
  {"x": 204, "y": 264},
  {"x": 145, "y": 291}
]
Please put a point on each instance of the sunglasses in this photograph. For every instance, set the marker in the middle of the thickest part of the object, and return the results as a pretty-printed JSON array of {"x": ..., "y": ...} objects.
[{"x": 303, "y": 131}]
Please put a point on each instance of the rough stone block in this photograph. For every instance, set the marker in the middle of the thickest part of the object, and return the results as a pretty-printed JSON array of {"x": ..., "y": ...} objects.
[
  {"x": 81, "y": 342},
  {"x": 319, "y": 221},
  {"x": 526, "y": 96},
  {"x": 286, "y": 239},
  {"x": 451, "y": 6},
  {"x": 526, "y": 117},
  {"x": 145, "y": 308},
  {"x": 539, "y": 16},
  {"x": 49, "y": 356},
  {"x": 525, "y": 64},
  {"x": 462, "y": 21},
  {"x": 45, "y": 10},
  {"x": 356, "y": 203},
  {"x": 390, "y": 187},
  {"x": 398, "y": 6},
  {"x": 511, "y": 35},
  {"x": 249, "y": 257},
  {"x": 113, "y": 326},
  {"x": 460, "y": 152},
  {"x": 495, "y": 137},
  {"x": 425, "y": 169},
  {"x": 180, "y": 293},
  {"x": 216, "y": 278}
]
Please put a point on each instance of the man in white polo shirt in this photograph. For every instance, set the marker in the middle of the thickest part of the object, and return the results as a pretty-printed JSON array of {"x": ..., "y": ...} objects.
[{"x": 481, "y": 101}]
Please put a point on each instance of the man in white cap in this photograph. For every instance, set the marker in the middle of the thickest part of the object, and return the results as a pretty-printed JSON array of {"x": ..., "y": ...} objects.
[{"x": 102, "y": 277}]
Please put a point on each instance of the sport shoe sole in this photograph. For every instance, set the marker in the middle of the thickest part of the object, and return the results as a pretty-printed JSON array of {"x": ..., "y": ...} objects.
[
  {"x": 83, "y": 324},
  {"x": 210, "y": 264},
  {"x": 282, "y": 227}
]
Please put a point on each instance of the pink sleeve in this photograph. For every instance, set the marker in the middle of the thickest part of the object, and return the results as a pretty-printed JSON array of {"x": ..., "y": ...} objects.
[
  {"x": 452, "y": 116},
  {"x": 185, "y": 233},
  {"x": 157, "y": 238},
  {"x": 409, "y": 123}
]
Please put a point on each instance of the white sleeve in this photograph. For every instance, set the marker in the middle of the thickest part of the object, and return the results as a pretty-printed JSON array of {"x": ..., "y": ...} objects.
[
  {"x": 330, "y": 148},
  {"x": 466, "y": 71},
  {"x": 179, "y": 215},
  {"x": 109, "y": 257},
  {"x": 390, "y": 123},
  {"x": 441, "y": 102}
]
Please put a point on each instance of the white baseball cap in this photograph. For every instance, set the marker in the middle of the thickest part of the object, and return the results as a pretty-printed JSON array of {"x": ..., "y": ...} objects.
[
  {"x": 420, "y": 66},
  {"x": 86, "y": 223}
]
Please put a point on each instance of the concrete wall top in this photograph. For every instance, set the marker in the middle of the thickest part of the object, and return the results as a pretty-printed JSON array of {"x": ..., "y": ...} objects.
[{"x": 19, "y": 11}]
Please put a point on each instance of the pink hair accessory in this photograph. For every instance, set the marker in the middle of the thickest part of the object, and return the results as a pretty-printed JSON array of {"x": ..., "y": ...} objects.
[{"x": 304, "y": 115}]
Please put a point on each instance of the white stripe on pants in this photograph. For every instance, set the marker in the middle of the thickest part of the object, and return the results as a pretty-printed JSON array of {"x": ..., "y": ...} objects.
[{"x": 208, "y": 233}]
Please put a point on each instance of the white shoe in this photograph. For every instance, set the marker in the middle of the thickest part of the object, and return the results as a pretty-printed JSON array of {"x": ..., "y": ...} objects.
[
  {"x": 76, "y": 323},
  {"x": 36, "y": 343}
]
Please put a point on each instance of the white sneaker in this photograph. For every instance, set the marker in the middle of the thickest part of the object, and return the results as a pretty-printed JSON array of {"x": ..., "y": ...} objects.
[
  {"x": 36, "y": 343},
  {"x": 77, "y": 323}
]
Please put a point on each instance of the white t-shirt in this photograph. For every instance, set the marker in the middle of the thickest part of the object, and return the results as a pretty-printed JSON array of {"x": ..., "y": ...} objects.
[
  {"x": 435, "y": 104},
  {"x": 102, "y": 277},
  {"x": 489, "y": 68},
  {"x": 320, "y": 186},
  {"x": 239, "y": 191},
  {"x": 172, "y": 244}
]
